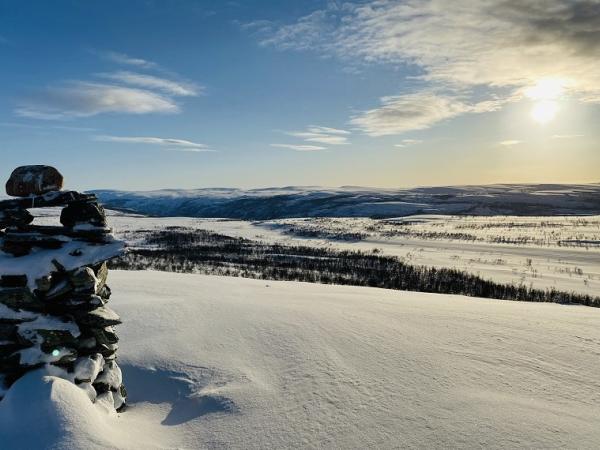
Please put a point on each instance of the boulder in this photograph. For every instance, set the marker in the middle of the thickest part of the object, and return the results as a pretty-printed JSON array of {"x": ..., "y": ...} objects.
[{"x": 33, "y": 180}]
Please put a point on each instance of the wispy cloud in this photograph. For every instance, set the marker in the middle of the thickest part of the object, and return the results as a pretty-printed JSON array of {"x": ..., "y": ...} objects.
[
  {"x": 169, "y": 143},
  {"x": 491, "y": 42},
  {"x": 510, "y": 143},
  {"x": 408, "y": 143},
  {"x": 327, "y": 130},
  {"x": 401, "y": 113},
  {"x": 84, "y": 99},
  {"x": 176, "y": 88},
  {"x": 122, "y": 58},
  {"x": 322, "y": 135},
  {"x": 120, "y": 92},
  {"x": 43, "y": 127},
  {"x": 300, "y": 148},
  {"x": 260, "y": 26},
  {"x": 567, "y": 136},
  {"x": 307, "y": 33},
  {"x": 492, "y": 47}
]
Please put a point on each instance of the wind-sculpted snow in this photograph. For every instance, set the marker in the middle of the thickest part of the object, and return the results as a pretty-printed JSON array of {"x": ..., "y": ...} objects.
[
  {"x": 274, "y": 203},
  {"x": 218, "y": 362}
]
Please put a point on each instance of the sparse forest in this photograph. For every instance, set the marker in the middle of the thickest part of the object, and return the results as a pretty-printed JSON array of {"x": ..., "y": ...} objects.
[{"x": 178, "y": 249}]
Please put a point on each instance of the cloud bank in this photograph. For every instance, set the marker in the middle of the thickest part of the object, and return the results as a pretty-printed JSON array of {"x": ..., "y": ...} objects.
[{"x": 499, "y": 48}]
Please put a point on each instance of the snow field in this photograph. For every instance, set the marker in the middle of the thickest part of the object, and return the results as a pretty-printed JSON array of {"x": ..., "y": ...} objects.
[{"x": 215, "y": 362}]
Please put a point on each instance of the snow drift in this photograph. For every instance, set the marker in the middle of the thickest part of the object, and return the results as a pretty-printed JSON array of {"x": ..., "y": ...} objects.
[{"x": 215, "y": 362}]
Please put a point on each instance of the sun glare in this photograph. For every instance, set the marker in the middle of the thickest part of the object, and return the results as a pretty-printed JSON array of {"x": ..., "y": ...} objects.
[
  {"x": 546, "y": 92},
  {"x": 544, "y": 112},
  {"x": 546, "y": 89}
]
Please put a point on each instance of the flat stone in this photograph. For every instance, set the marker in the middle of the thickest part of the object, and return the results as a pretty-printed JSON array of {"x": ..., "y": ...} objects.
[
  {"x": 8, "y": 363},
  {"x": 60, "y": 288},
  {"x": 20, "y": 244},
  {"x": 57, "y": 198},
  {"x": 102, "y": 336},
  {"x": 8, "y": 332},
  {"x": 33, "y": 180},
  {"x": 104, "y": 293},
  {"x": 19, "y": 298},
  {"x": 108, "y": 351},
  {"x": 15, "y": 218},
  {"x": 44, "y": 283},
  {"x": 13, "y": 281},
  {"x": 56, "y": 338},
  {"x": 7, "y": 348},
  {"x": 85, "y": 212},
  {"x": 98, "y": 318},
  {"x": 94, "y": 235},
  {"x": 84, "y": 280},
  {"x": 74, "y": 304}
]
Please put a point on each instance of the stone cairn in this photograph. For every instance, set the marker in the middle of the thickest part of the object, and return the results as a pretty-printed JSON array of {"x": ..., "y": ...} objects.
[{"x": 53, "y": 288}]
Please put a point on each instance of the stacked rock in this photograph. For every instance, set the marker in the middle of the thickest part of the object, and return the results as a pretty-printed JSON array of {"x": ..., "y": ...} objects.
[{"x": 53, "y": 288}]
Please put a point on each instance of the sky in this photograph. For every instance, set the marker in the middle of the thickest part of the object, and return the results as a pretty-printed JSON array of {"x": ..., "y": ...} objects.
[{"x": 254, "y": 93}]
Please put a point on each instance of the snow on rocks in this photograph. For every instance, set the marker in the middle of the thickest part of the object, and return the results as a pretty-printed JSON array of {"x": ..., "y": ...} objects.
[{"x": 53, "y": 288}]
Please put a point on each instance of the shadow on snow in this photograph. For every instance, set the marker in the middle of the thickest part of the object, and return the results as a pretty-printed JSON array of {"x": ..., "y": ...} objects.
[{"x": 185, "y": 396}]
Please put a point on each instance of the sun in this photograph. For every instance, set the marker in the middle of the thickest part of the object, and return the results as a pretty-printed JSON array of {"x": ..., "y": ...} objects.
[
  {"x": 544, "y": 112},
  {"x": 546, "y": 93}
]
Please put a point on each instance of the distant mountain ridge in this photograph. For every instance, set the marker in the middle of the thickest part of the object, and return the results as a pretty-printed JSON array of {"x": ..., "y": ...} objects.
[{"x": 351, "y": 201}]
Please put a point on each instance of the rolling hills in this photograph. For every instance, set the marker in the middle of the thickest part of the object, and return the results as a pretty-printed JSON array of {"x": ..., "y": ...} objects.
[{"x": 287, "y": 202}]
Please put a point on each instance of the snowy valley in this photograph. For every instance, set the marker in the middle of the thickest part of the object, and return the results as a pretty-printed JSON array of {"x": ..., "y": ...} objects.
[{"x": 214, "y": 361}]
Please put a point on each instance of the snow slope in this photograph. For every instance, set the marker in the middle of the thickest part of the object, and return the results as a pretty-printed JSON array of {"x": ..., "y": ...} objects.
[{"x": 214, "y": 362}]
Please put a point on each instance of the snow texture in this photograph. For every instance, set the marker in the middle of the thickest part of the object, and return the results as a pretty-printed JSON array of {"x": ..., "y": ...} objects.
[
  {"x": 15, "y": 314},
  {"x": 215, "y": 362},
  {"x": 73, "y": 254}
]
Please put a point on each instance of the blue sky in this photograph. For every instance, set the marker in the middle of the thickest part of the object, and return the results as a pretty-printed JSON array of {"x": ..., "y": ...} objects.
[{"x": 154, "y": 94}]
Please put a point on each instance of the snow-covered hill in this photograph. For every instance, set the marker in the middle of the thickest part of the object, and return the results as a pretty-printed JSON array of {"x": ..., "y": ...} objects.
[
  {"x": 214, "y": 362},
  {"x": 273, "y": 203}
]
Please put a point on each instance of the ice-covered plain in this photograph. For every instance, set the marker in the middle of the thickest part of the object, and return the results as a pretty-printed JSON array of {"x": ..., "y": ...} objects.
[{"x": 217, "y": 362}]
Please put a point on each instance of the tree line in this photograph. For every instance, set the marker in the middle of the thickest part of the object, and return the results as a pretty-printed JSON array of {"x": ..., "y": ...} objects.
[{"x": 200, "y": 251}]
